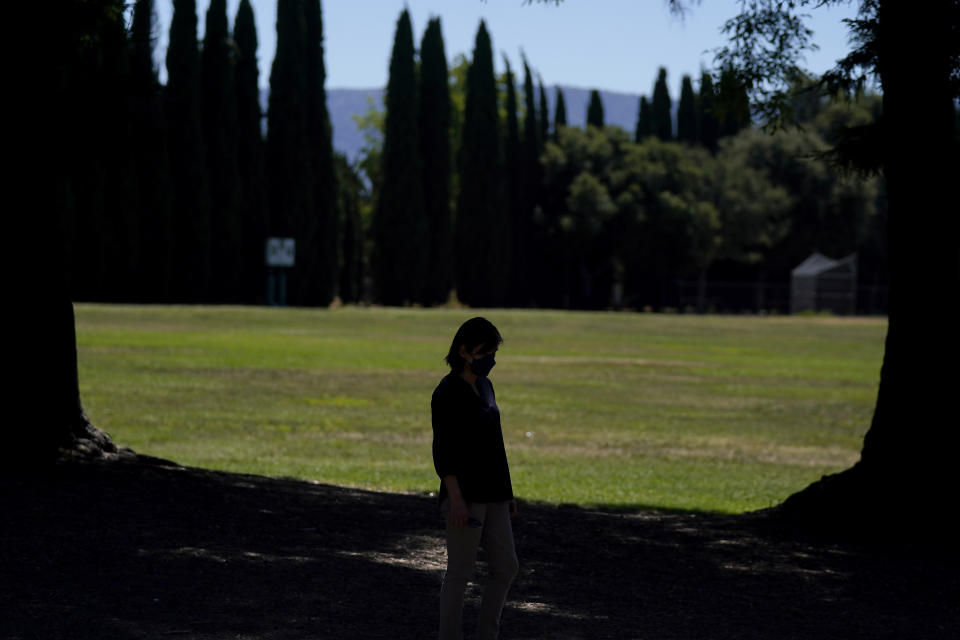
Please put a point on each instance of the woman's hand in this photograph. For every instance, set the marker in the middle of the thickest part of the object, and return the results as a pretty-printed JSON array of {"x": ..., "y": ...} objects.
[
  {"x": 458, "y": 512},
  {"x": 458, "y": 506}
]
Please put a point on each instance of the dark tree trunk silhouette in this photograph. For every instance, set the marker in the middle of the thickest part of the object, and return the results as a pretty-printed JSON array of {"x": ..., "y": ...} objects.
[
  {"x": 53, "y": 417},
  {"x": 43, "y": 390},
  {"x": 907, "y": 472}
]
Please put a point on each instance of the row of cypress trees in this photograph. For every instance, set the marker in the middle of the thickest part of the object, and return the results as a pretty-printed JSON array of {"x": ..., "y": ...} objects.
[
  {"x": 485, "y": 239},
  {"x": 185, "y": 219},
  {"x": 172, "y": 198},
  {"x": 702, "y": 118},
  {"x": 421, "y": 250}
]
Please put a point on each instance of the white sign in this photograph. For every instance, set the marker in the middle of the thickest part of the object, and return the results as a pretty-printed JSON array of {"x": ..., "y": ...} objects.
[{"x": 280, "y": 252}]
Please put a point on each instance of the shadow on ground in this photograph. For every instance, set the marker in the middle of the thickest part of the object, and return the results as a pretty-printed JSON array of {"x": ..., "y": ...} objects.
[{"x": 140, "y": 548}]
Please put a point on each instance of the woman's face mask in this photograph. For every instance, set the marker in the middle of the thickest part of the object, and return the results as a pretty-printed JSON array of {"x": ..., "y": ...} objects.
[{"x": 481, "y": 366}]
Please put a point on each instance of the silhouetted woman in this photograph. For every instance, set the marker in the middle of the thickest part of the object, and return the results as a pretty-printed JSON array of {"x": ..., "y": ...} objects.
[{"x": 476, "y": 495}]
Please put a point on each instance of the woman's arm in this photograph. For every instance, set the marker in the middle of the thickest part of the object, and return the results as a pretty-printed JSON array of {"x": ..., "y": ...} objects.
[{"x": 458, "y": 506}]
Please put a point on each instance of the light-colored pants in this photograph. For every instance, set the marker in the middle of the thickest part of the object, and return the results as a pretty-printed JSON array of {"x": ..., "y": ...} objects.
[{"x": 496, "y": 538}]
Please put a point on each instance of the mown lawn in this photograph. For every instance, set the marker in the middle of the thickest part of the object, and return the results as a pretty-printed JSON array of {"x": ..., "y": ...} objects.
[{"x": 716, "y": 413}]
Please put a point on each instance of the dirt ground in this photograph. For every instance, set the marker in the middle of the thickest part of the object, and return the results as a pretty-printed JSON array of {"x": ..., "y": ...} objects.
[{"x": 142, "y": 548}]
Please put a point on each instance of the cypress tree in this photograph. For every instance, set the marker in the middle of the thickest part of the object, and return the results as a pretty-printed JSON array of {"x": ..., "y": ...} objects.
[
  {"x": 532, "y": 130},
  {"x": 644, "y": 121},
  {"x": 435, "y": 152},
  {"x": 595, "y": 110},
  {"x": 733, "y": 103},
  {"x": 661, "y": 119},
  {"x": 191, "y": 202},
  {"x": 318, "y": 286},
  {"x": 98, "y": 190},
  {"x": 559, "y": 114},
  {"x": 287, "y": 159},
  {"x": 399, "y": 232},
  {"x": 544, "y": 119},
  {"x": 121, "y": 218},
  {"x": 143, "y": 71},
  {"x": 350, "y": 185},
  {"x": 481, "y": 240},
  {"x": 708, "y": 129},
  {"x": 535, "y": 240},
  {"x": 515, "y": 200},
  {"x": 150, "y": 159},
  {"x": 220, "y": 132},
  {"x": 687, "y": 113},
  {"x": 525, "y": 249},
  {"x": 250, "y": 150}
]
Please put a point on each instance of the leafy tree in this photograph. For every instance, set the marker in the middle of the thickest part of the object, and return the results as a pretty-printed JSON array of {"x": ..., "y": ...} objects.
[
  {"x": 687, "y": 113},
  {"x": 482, "y": 244},
  {"x": 644, "y": 121},
  {"x": 580, "y": 222},
  {"x": 733, "y": 102},
  {"x": 743, "y": 216},
  {"x": 858, "y": 198},
  {"x": 595, "y": 110},
  {"x": 219, "y": 110},
  {"x": 371, "y": 125},
  {"x": 399, "y": 232},
  {"x": 829, "y": 211},
  {"x": 655, "y": 175},
  {"x": 660, "y": 118},
  {"x": 250, "y": 156},
  {"x": 191, "y": 200},
  {"x": 435, "y": 150},
  {"x": 641, "y": 215},
  {"x": 708, "y": 129}
]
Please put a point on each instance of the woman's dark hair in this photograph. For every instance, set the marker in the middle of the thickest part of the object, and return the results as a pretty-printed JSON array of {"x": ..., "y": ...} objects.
[{"x": 473, "y": 333}]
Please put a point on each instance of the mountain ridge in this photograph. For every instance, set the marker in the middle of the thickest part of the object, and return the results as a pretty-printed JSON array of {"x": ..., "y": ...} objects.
[{"x": 619, "y": 108}]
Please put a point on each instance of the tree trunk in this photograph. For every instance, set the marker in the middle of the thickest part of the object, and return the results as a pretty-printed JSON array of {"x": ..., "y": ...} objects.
[
  {"x": 51, "y": 417},
  {"x": 906, "y": 474},
  {"x": 43, "y": 389}
]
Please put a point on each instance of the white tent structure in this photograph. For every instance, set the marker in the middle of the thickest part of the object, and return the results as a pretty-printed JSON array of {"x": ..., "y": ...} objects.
[{"x": 820, "y": 283}]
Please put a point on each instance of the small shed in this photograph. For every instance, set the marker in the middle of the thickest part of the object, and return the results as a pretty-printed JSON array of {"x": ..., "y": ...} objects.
[{"x": 820, "y": 283}]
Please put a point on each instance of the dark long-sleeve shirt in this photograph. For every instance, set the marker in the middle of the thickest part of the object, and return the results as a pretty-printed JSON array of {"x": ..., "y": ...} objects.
[{"x": 468, "y": 440}]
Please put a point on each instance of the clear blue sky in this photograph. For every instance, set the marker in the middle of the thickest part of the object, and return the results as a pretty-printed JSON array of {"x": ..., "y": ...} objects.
[{"x": 616, "y": 45}]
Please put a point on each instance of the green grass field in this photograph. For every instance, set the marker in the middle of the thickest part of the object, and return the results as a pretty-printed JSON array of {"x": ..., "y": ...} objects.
[{"x": 716, "y": 413}]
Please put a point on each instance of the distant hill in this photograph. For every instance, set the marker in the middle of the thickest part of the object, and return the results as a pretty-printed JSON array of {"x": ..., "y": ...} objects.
[
  {"x": 619, "y": 109},
  {"x": 343, "y": 104}
]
